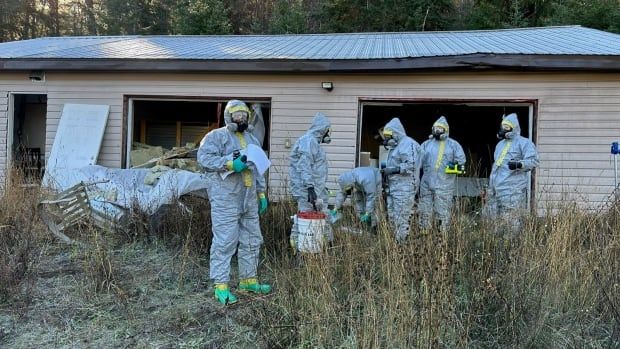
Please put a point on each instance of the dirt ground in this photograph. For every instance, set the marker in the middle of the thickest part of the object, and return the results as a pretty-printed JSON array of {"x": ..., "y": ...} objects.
[{"x": 145, "y": 306}]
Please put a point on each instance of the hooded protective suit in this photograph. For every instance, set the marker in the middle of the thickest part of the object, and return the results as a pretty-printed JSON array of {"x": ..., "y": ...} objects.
[
  {"x": 234, "y": 207},
  {"x": 365, "y": 186},
  {"x": 403, "y": 157},
  {"x": 507, "y": 192},
  {"x": 258, "y": 123},
  {"x": 437, "y": 188},
  {"x": 308, "y": 167}
]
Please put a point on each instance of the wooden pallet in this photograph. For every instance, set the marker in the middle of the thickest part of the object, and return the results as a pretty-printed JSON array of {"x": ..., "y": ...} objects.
[{"x": 68, "y": 208}]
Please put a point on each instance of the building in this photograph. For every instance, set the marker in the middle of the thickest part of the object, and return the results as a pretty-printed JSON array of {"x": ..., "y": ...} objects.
[{"x": 564, "y": 83}]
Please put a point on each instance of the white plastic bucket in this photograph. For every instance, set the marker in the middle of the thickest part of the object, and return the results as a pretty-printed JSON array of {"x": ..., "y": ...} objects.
[{"x": 312, "y": 228}]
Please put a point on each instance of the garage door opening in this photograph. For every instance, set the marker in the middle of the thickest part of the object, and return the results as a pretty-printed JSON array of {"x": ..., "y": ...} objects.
[
  {"x": 27, "y": 136},
  {"x": 174, "y": 124},
  {"x": 473, "y": 124}
]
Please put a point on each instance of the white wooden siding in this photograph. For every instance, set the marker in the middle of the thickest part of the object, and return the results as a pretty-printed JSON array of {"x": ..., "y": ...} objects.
[{"x": 578, "y": 114}]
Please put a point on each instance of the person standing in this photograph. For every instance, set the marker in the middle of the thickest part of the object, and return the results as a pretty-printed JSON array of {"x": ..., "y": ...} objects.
[
  {"x": 308, "y": 170},
  {"x": 442, "y": 159},
  {"x": 237, "y": 196},
  {"x": 515, "y": 156},
  {"x": 401, "y": 170}
]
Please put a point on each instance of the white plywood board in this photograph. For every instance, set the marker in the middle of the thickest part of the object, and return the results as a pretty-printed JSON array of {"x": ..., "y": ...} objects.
[{"x": 78, "y": 139}]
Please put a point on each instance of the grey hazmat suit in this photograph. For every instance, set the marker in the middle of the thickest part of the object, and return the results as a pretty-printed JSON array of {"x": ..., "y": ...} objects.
[
  {"x": 515, "y": 156},
  {"x": 308, "y": 167},
  {"x": 234, "y": 207},
  {"x": 437, "y": 188},
  {"x": 258, "y": 122},
  {"x": 401, "y": 171},
  {"x": 365, "y": 186}
]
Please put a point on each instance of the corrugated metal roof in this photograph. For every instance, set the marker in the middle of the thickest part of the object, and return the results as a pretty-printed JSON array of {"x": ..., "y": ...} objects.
[{"x": 568, "y": 40}]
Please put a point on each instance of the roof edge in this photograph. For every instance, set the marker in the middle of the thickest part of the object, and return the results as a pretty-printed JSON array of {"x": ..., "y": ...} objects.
[{"x": 462, "y": 62}]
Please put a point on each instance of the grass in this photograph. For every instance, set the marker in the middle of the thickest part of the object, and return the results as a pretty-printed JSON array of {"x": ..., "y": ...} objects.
[{"x": 554, "y": 285}]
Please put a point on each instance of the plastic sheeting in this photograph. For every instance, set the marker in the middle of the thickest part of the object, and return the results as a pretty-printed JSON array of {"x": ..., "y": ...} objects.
[{"x": 126, "y": 188}]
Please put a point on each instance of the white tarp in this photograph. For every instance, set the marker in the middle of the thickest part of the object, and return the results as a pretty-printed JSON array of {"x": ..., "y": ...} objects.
[
  {"x": 78, "y": 139},
  {"x": 126, "y": 188}
]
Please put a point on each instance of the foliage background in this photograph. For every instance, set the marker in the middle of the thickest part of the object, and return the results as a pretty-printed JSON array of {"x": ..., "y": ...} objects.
[{"x": 26, "y": 19}]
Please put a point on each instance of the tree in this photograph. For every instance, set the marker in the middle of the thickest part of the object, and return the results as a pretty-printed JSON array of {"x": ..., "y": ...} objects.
[
  {"x": 202, "y": 17},
  {"x": 288, "y": 18},
  {"x": 598, "y": 14}
]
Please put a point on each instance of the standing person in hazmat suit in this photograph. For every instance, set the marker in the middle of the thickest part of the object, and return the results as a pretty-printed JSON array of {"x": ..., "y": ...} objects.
[
  {"x": 515, "y": 156},
  {"x": 401, "y": 170},
  {"x": 236, "y": 201},
  {"x": 308, "y": 171},
  {"x": 364, "y": 185},
  {"x": 442, "y": 159}
]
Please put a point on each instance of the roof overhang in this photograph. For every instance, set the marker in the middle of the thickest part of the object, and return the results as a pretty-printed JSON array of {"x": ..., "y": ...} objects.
[{"x": 464, "y": 62}]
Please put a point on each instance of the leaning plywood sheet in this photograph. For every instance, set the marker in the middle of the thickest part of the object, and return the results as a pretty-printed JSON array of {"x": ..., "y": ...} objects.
[{"x": 78, "y": 140}]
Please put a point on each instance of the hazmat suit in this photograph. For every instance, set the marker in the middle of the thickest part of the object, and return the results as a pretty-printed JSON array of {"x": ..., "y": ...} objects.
[
  {"x": 515, "y": 156},
  {"x": 308, "y": 170},
  {"x": 437, "y": 188},
  {"x": 258, "y": 123},
  {"x": 364, "y": 185},
  {"x": 236, "y": 191},
  {"x": 401, "y": 170}
]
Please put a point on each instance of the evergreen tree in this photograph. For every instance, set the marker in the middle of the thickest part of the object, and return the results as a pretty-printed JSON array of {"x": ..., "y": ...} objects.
[
  {"x": 288, "y": 17},
  {"x": 202, "y": 17}
]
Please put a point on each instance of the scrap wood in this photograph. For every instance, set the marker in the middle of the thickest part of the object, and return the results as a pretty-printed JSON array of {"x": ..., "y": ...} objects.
[
  {"x": 68, "y": 208},
  {"x": 175, "y": 153}
]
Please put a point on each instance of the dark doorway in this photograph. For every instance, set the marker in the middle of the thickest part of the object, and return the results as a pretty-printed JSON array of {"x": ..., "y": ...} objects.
[
  {"x": 473, "y": 125},
  {"x": 28, "y": 136}
]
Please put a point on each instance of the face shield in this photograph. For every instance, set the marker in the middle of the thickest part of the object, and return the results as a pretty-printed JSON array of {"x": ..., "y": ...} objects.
[
  {"x": 388, "y": 138},
  {"x": 240, "y": 118},
  {"x": 438, "y": 132},
  {"x": 505, "y": 131}
]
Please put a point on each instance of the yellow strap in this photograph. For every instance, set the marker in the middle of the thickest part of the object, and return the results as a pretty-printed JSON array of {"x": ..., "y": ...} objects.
[
  {"x": 500, "y": 160},
  {"x": 442, "y": 149},
  {"x": 247, "y": 174}
]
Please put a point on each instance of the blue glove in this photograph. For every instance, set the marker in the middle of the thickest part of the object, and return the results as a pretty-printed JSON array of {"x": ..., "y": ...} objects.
[
  {"x": 333, "y": 213},
  {"x": 262, "y": 203},
  {"x": 239, "y": 164}
]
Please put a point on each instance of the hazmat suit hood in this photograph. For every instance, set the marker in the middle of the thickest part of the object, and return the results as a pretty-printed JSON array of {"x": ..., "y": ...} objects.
[
  {"x": 233, "y": 106},
  {"x": 320, "y": 125},
  {"x": 346, "y": 180},
  {"x": 398, "y": 131},
  {"x": 512, "y": 121},
  {"x": 442, "y": 122}
]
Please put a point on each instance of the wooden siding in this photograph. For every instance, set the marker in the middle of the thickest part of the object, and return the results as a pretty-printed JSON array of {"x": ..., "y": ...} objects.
[{"x": 578, "y": 114}]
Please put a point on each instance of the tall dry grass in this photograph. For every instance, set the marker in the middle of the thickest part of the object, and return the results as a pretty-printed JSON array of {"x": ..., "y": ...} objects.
[
  {"x": 21, "y": 233},
  {"x": 554, "y": 285}
]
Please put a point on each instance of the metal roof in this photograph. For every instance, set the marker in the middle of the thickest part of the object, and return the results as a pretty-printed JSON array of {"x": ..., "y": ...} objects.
[{"x": 548, "y": 41}]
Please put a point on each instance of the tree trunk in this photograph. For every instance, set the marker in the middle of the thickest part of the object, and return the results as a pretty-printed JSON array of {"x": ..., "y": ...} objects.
[{"x": 91, "y": 20}]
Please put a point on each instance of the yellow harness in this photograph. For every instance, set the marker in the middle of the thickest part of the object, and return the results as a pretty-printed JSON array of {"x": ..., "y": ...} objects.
[
  {"x": 247, "y": 173},
  {"x": 500, "y": 160},
  {"x": 442, "y": 149}
]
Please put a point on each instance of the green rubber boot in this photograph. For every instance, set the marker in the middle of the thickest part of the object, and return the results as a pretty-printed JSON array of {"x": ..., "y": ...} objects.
[
  {"x": 223, "y": 294},
  {"x": 252, "y": 285}
]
